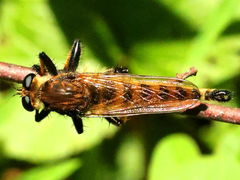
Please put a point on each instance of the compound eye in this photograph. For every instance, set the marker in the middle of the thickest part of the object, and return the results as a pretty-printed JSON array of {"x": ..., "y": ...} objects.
[
  {"x": 27, "y": 103},
  {"x": 28, "y": 81}
]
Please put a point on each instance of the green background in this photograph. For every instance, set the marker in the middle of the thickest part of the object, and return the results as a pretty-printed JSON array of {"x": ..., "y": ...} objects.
[{"x": 157, "y": 37}]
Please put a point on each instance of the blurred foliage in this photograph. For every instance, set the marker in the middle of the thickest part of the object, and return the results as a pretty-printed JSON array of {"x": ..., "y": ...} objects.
[
  {"x": 53, "y": 171},
  {"x": 159, "y": 37}
]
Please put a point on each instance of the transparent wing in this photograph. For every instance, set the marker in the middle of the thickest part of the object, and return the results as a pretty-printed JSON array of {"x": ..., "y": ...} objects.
[{"x": 127, "y": 95}]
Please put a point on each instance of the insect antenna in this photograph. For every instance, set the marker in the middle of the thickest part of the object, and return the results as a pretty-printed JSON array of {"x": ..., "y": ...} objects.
[{"x": 17, "y": 90}]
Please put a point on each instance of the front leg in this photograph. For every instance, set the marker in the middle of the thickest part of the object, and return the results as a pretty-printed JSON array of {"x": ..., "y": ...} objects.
[
  {"x": 45, "y": 61},
  {"x": 77, "y": 121},
  {"x": 37, "y": 68},
  {"x": 40, "y": 116},
  {"x": 73, "y": 57}
]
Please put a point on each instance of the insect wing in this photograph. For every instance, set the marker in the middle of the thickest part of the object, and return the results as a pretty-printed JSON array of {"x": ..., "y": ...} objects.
[{"x": 127, "y": 95}]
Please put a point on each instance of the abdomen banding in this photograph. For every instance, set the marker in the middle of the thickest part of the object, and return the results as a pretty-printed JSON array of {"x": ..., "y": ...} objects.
[
  {"x": 124, "y": 95},
  {"x": 195, "y": 94},
  {"x": 221, "y": 95},
  {"x": 108, "y": 92},
  {"x": 95, "y": 95},
  {"x": 164, "y": 93},
  {"x": 146, "y": 91},
  {"x": 216, "y": 95},
  {"x": 180, "y": 93},
  {"x": 127, "y": 93}
]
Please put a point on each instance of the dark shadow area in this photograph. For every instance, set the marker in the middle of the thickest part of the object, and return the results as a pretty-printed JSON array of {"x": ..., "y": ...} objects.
[
  {"x": 150, "y": 129},
  {"x": 12, "y": 168},
  {"x": 5, "y": 86},
  {"x": 233, "y": 28},
  {"x": 127, "y": 22},
  {"x": 156, "y": 127}
]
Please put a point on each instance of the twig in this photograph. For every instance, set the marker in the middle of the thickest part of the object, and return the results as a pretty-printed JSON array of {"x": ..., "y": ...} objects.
[
  {"x": 192, "y": 72},
  {"x": 17, "y": 73},
  {"x": 216, "y": 112},
  {"x": 13, "y": 72}
]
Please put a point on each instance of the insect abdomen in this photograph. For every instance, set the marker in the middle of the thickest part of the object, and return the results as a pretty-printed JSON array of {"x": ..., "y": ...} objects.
[{"x": 122, "y": 95}]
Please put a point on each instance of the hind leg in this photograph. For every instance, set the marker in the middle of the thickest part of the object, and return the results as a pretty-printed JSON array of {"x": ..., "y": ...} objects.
[
  {"x": 122, "y": 70},
  {"x": 114, "y": 120}
]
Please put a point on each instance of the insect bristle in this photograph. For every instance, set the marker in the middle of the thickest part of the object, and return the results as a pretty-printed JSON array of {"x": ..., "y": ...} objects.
[{"x": 18, "y": 91}]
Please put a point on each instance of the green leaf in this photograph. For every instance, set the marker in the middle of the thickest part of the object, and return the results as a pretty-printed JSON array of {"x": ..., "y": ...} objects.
[
  {"x": 191, "y": 11},
  {"x": 215, "y": 24},
  {"x": 223, "y": 139},
  {"x": 130, "y": 158},
  {"x": 177, "y": 157},
  {"x": 159, "y": 58},
  {"x": 171, "y": 152},
  {"x": 54, "y": 171},
  {"x": 169, "y": 58}
]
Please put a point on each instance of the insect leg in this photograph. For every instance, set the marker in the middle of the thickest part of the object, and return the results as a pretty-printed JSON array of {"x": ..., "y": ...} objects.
[
  {"x": 117, "y": 70},
  {"x": 37, "y": 68},
  {"x": 77, "y": 121},
  {"x": 73, "y": 57},
  {"x": 40, "y": 116},
  {"x": 114, "y": 120},
  {"x": 45, "y": 61},
  {"x": 121, "y": 69}
]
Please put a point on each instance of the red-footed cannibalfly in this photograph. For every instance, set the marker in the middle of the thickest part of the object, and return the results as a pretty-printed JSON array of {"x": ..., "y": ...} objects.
[{"x": 113, "y": 94}]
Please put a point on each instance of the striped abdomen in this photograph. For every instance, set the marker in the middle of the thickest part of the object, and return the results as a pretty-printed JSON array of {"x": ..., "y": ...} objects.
[{"x": 126, "y": 95}]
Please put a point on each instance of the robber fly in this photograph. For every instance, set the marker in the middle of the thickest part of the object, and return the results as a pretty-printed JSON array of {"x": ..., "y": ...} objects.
[{"x": 113, "y": 94}]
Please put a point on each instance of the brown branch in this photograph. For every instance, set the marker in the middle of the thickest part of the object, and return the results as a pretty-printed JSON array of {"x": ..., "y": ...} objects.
[
  {"x": 192, "y": 72},
  {"x": 17, "y": 73},
  {"x": 216, "y": 112},
  {"x": 13, "y": 72}
]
